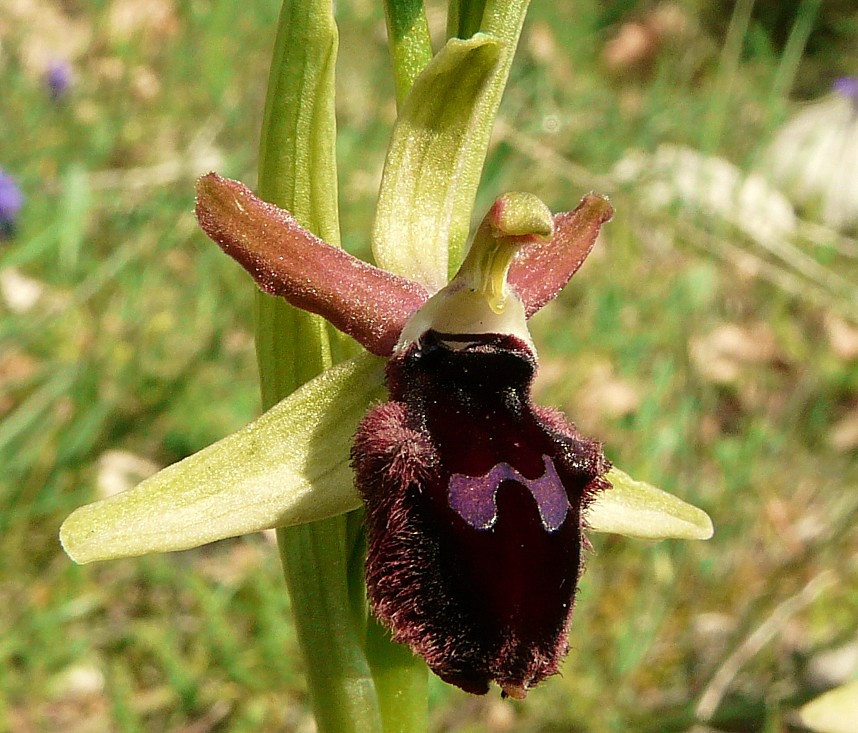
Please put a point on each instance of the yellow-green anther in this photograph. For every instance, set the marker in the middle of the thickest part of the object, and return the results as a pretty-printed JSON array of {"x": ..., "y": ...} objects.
[
  {"x": 486, "y": 266},
  {"x": 521, "y": 215},
  {"x": 515, "y": 219}
]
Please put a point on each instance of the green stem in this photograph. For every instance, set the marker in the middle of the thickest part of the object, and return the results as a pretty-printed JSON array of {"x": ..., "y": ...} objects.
[
  {"x": 410, "y": 45},
  {"x": 401, "y": 679},
  {"x": 464, "y": 18},
  {"x": 297, "y": 170},
  {"x": 292, "y": 347},
  {"x": 315, "y": 563}
]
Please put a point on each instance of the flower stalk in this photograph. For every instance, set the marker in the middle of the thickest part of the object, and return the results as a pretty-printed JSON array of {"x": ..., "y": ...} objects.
[{"x": 297, "y": 171}]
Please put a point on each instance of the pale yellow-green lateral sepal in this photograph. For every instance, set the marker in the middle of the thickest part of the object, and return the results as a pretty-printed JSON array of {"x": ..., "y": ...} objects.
[
  {"x": 638, "y": 509},
  {"x": 288, "y": 467}
]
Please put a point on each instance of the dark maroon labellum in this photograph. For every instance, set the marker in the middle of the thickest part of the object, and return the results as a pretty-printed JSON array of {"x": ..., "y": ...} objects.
[{"x": 474, "y": 500}]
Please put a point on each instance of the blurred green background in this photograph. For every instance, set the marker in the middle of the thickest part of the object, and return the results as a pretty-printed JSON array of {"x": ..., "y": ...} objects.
[{"x": 717, "y": 363}]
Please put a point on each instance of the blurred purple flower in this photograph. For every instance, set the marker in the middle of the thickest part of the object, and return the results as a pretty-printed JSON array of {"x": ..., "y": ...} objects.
[
  {"x": 11, "y": 201},
  {"x": 58, "y": 77},
  {"x": 848, "y": 87}
]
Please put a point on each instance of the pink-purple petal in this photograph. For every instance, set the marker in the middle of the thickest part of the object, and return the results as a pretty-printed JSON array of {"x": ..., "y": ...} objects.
[
  {"x": 542, "y": 270},
  {"x": 286, "y": 260}
]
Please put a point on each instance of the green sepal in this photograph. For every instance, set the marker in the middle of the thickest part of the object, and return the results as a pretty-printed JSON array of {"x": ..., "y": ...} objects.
[
  {"x": 288, "y": 467},
  {"x": 433, "y": 163},
  {"x": 637, "y": 509}
]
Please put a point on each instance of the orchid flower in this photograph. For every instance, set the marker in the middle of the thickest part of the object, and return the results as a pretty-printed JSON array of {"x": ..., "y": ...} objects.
[
  {"x": 294, "y": 460},
  {"x": 475, "y": 499},
  {"x": 504, "y": 483}
]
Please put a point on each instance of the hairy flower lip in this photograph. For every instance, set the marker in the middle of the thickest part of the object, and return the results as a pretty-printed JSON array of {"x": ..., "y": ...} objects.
[
  {"x": 475, "y": 540},
  {"x": 366, "y": 302},
  {"x": 474, "y": 562}
]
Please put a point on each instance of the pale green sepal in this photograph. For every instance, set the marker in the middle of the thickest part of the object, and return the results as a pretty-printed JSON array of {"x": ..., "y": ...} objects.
[
  {"x": 436, "y": 153},
  {"x": 637, "y": 509},
  {"x": 288, "y": 467},
  {"x": 836, "y": 711}
]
